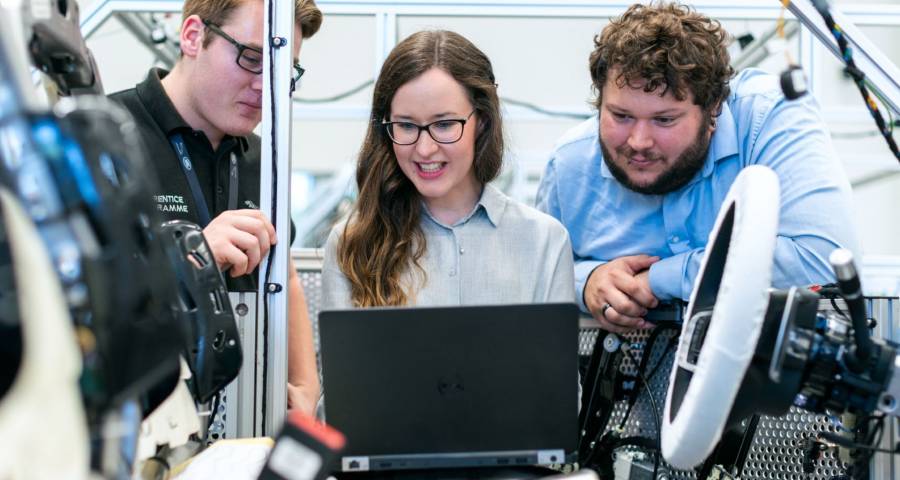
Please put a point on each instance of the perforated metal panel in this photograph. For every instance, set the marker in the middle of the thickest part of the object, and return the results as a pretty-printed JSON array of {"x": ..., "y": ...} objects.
[
  {"x": 777, "y": 452},
  {"x": 216, "y": 430},
  {"x": 312, "y": 287},
  {"x": 777, "y": 449},
  {"x": 642, "y": 421}
]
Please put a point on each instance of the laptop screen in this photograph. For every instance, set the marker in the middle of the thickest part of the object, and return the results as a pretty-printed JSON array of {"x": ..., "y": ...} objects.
[{"x": 407, "y": 381}]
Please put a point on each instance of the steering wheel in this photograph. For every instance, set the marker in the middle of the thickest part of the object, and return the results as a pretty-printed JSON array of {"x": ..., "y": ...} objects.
[{"x": 724, "y": 318}]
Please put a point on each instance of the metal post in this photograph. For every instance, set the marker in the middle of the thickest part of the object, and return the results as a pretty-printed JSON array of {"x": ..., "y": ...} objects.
[
  {"x": 884, "y": 311},
  {"x": 385, "y": 38},
  {"x": 241, "y": 396},
  {"x": 274, "y": 195}
]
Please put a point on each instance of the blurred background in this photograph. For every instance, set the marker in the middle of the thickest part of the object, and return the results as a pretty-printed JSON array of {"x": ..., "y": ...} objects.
[{"x": 540, "y": 52}]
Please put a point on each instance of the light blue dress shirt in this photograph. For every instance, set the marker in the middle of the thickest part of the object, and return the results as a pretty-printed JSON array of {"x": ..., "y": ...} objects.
[
  {"x": 758, "y": 126},
  {"x": 502, "y": 252}
]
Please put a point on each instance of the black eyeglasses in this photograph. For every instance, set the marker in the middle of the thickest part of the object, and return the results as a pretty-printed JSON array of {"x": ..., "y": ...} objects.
[
  {"x": 251, "y": 58},
  {"x": 445, "y": 131}
]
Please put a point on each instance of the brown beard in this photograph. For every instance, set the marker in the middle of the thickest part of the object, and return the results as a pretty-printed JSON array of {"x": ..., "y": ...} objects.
[{"x": 678, "y": 174}]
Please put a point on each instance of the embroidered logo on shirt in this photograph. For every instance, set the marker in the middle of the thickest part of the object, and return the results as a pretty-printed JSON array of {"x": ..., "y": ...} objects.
[
  {"x": 250, "y": 204},
  {"x": 170, "y": 203}
]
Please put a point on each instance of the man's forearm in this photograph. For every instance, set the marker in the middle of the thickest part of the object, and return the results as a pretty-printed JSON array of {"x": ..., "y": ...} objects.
[{"x": 583, "y": 270}]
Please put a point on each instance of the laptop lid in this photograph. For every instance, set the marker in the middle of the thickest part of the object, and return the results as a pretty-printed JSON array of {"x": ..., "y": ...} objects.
[{"x": 415, "y": 384}]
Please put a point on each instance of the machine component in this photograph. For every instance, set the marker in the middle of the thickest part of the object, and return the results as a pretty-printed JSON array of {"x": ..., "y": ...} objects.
[
  {"x": 713, "y": 354},
  {"x": 44, "y": 388},
  {"x": 599, "y": 392},
  {"x": 93, "y": 155},
  {"x": 57, "y": 47},
  {"x": 635, "y": 465},
  {"x": 604, "y": 384},
  {"x": 78, "y": 172},
  {"x": 820, "y": 361},
  {"x": 793, "y": 82},
  {"x": 212, "y": 344},
  {"x": 170, "y": 428}
]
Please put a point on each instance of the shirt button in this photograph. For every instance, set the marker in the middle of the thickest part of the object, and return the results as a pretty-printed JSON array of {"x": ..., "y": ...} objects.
[
  {"x": 675, "y": 239},
  {"x": 452, "y": 273},
  {"x": 461, "y": 250},
  {"x": 220, "y": 190}
]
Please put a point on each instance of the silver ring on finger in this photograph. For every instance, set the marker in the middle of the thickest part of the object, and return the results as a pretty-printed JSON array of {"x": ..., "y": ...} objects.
[{"x": 606, "y": 306}]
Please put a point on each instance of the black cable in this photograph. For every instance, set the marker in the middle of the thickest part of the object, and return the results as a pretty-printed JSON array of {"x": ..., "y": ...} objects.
[
  {"x": 656, "y": 412},
  {"x": 648, "y": 349},
  {"x": 641, "y": 367},
  {"x": 272, "y": 217},
  {"x": 864, "y": 450},
  {"x": 837, "y": 309},
  {"x": 212, "y": 415},
  {"x": 873, "y": 439},
  {"x": 859, "y": 78},
  {"x": 599, "y": 349},
  {"x": 673, "y": 340},
  {"x": 845, "y": 442},
  {"x": 600, "y": 436}
]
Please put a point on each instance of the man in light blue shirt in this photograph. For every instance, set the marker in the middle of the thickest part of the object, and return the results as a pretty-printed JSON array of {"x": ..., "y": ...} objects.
[{"x": 639, "y": 186}]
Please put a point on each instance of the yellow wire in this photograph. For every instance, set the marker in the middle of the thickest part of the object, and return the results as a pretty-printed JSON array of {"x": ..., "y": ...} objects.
[
  {"x": 890, "y": 113},
  {"x": 780, "y": 31},
  {"x": 780, "y": 23}
]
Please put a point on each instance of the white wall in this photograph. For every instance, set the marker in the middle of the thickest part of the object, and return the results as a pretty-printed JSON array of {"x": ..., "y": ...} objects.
[{"x": 542, "y": 61}]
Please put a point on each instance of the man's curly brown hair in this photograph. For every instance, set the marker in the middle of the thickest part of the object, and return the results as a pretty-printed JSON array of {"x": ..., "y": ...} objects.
[{"x": 666, "y": 45}]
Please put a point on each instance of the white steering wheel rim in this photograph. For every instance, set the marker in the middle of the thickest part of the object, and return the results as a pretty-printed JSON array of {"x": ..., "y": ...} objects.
[
  {"x": 45, "y": 389},
  {"x": 689, "y": 436}
]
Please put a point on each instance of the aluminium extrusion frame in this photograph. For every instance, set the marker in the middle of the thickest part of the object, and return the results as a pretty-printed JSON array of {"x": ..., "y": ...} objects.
[
  {"x": 885, "y": 309},
  {"x": 275, "y": 170},
  {"x": 241, "y": 395}
]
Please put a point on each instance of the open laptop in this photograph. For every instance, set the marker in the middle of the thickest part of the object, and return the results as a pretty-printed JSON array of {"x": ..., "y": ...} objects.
[{"x": 419, "y": 388}]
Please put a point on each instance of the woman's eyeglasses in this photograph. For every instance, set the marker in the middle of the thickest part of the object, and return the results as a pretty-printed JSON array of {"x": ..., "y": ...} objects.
[{"x": 445, "y": 131}]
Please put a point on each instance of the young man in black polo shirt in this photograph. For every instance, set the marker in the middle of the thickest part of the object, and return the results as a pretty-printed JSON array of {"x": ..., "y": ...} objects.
[{"x": 206, "y": 108}]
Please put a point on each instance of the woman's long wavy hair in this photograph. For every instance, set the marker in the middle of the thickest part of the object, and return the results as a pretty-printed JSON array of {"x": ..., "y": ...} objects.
[{"x": 383, "y": 239}]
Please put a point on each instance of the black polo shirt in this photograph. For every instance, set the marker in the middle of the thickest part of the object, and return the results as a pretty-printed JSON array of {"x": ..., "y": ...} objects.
[{"x": 157, "y": 120}]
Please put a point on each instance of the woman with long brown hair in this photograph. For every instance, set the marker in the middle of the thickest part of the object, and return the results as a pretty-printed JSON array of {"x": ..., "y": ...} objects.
[{"x": 427, "y": 227}]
